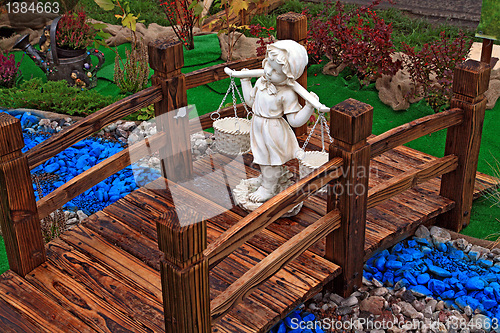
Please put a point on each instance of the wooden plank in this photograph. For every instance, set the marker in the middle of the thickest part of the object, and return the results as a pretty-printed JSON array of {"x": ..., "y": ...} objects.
[
  {"x": 272, "y": 263},
  {"x": 105, "y": 285},
  {"x": 98, "y": 173},
  {"x": 126, "y": 238},
  {"x": 91, "y": 124},
  {"x": 40, "y": 310},
  {"x": 101, "y": 315},
  {"x": 409, "y": 179},
  {"x": 19, "y": 220},
  {"x": 216, "y": 72},
  {"x": 270, "y": 211},
  {"x": 415, "y": 129},
  {"x": 129, "y": 269},
  {"x": 12, "y": 322}
]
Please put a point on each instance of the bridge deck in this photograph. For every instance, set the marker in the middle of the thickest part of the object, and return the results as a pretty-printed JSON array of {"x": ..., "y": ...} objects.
[{"x": 103, "y": 275}]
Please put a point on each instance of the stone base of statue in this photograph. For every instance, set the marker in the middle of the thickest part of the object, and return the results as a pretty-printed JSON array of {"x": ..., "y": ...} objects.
[{"x": 246, "y": 187}]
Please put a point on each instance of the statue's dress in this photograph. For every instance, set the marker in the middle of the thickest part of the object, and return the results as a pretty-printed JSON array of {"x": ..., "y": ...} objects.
[{"x": 272, "y": 140}]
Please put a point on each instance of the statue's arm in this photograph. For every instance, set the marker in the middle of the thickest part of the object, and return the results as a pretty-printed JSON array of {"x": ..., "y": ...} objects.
[
  {"x": 248, "y": 96},
  {"x": 297, "y": 119}
]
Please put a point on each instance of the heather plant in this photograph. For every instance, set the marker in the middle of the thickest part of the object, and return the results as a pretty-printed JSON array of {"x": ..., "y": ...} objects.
[
  {"x": 183, "y": 15},
  {"x": 132, "y": 75},
  {"x": 73, "y": 31},
  {"x": 9, "y": 70},
  {"x": 431, "y": 68},
  {"x": 358, "y": 38}
]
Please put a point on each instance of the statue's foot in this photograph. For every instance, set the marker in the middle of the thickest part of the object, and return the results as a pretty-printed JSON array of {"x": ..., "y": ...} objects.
[
  {"x": 256, "y": 182},
  {"x": 262, "y": 194}
]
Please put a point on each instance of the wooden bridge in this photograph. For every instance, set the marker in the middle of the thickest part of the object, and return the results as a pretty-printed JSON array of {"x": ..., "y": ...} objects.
[{"x": 169, "y": 258}]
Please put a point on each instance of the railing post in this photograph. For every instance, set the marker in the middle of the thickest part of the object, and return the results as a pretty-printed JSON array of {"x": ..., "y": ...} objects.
[
  {"x": 294, "y": 26},
  {"x": 350, "y": 125},
  {"x": 470, "y": 82},
  {"x": 166, "y": 58},
  {"x": 18, "y": 215},
  {"x": 184, "y": 272}
]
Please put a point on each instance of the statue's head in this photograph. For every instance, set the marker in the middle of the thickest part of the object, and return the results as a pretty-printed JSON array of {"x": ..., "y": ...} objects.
[{"x": 291, "y": 55}]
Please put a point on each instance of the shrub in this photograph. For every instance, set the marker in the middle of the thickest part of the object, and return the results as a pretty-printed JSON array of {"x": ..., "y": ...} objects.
[
  {"x": 358, "y": 37},
  {"x": 432, "y": 67},
  {"x": 73, "y": 32},
  {"x": 132, "y": 75},
  {"x": 183, "y": 15},
  {"x": 265, "y": 37},
  {"x": 55, "y": 96},
  {"x": 9, "y": 70}
]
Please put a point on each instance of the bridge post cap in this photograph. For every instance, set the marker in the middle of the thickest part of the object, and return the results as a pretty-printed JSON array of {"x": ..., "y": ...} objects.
[
  {"x": 182, "y": 242},
  {"x": 291, "y": 26},
  {"x": 11, "y": 134},
  {"x": 471, "y": 78},
  {"x": 351, "y": 121},
  {"x": 166, "y": 55}
]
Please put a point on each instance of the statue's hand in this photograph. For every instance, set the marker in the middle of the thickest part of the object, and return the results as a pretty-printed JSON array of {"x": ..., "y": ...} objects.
[{"x": 228, "y": 71}]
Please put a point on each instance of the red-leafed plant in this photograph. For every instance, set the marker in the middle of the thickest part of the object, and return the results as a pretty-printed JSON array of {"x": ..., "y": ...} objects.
[
  {"x": 264, "y": 35},
  {"x": 359, "y": 38},
  {"x": 431, "y": 68},
  {"x": 9, "y": 70},
  {"x": 183, "y": 15},
  {"x": 73, "y": 31}
]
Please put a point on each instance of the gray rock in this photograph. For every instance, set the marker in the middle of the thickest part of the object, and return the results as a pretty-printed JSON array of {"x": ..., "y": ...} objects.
[
  {"x": 111, "y": 127},
  {"x": 382, "y": 291},
  {"x": 396, "y": 309},
  {"x": 377, "y": 283},
  {"x": 496, "y": 251},
  {"x": 318, "y": 297},
  {"x": 480, "y": 321},
  {"x": 81, "y": 215},
  {"x": 468, "y": 311},
  {"x": 408, "y": 310},
  {"x": 432, "y": 303},
  {"x": 72, "y": 221},
  {"x": 418, "y": 305},
  {"x": 481, "y": 250},
  {"x": 336, "y": 298},
  {"x": 344, "y": 310},
  {"x": 350, "y": 301},
  {"x": 313, "y": 306},
  {"x": 325, "y": 307},
  {"x": 373, "y": 304},
  {"x": 439, "y": 235},
  {"x": 408, "y": 296},
  {"x": 467, "y": 248},
  {"x": 439, "y": 306},
  {"x": 427, "y": 312},
  {"x": 367, "y": 282}
]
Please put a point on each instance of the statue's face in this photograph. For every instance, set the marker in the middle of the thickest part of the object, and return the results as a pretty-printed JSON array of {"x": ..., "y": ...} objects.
[
  {"x": 274, "y": 72},
  {"x": 73, "y": 76}
]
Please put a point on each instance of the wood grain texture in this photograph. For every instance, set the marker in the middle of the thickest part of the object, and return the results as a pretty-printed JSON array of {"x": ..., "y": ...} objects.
[
  {"x": 413, "y": 130},
  {"x": 216, "y": 72},
  {"x": 350, "y": 125},
  {"x": 166, "y": 56},
  {"x": 270, "y": 211},
  {"x": 98, "y": 173},
  {"x": 13, "y": 322},
  {"x": 46, "y": 314},
  {"x": 470, "y": 81},
  {"x": 18, "y": 214},
  {"x": 91, "y": 124},
  {"x": 272, "y": 263},
  {"x": 409, "y": 179}
]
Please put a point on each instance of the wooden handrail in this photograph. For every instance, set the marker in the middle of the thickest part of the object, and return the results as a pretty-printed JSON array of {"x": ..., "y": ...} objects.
[
  {"x": 270, "y": 211},
  {"x": 414, "y": 130},
  {"x": 266, "y": 268},
  {"x": 411, "y": 178},
  {"x": 216, "y": 72},
  {"x": 91, "y": 124},
  {"x": 98, "y": 173}
]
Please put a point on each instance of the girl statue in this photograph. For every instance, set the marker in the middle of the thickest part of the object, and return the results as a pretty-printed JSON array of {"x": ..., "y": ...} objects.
[{"x": 275, "y": 95}]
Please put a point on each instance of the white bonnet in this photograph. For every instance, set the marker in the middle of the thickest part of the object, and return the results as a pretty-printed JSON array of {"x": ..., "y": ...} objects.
[{"x": 296, "y": 55}]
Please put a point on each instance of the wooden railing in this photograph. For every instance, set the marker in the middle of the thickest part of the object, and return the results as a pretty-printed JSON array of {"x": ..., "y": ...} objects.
[{"x": 185, "y": 266}]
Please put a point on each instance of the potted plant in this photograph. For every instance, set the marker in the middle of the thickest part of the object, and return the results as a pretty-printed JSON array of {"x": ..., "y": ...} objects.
[{"x": 74, "y": 35}]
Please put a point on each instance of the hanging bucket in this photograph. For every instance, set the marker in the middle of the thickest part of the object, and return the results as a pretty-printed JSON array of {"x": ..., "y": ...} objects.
[
  {"x": 232, "y": 135},
  {"x": 311, "y": 161}
]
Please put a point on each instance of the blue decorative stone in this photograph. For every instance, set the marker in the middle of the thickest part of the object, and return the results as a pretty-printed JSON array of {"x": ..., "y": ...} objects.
[
  {"x": 475, "y": 283},
  {"x": 448, "y": 294},
  {"x": 488, "y": 304},
  {"x": 52, "y": 167},
  {"x": 393, "y": 265},
  {"x": 436, "y": 286},
  {"x": 309, "y": 317},
  {"x": 380, "y": 263},
  {"x": 485, "y": 263},
  {"x": 422, "y": 241},
  {"x": 421, "y": 290},
  {"x": 423, "y": 278},
  {"x": 442, "y": 247},
  {"x": 410, "y": 278},
  {"x": 438, "y": 271}
]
